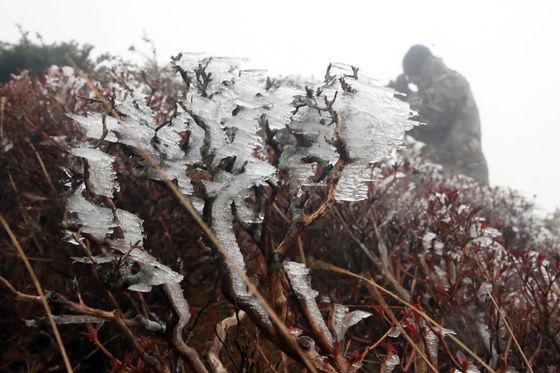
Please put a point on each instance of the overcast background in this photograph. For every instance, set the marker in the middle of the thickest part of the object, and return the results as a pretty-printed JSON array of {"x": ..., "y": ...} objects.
[{"x": 508, "y": 50}]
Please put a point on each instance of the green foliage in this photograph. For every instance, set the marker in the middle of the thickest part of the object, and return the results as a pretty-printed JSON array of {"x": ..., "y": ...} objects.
[{"x": 37, "y": 57}]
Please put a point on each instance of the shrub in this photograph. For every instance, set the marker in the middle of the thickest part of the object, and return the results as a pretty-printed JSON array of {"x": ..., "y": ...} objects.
[{"x": 216, "y": 199}]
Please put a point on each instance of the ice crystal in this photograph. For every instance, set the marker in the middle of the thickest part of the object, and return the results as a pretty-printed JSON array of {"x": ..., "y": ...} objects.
[
  {"x": 100, "y": 222},
  {"x": 101, "y": 175},
  {"x": 94, "y": 220},
  {"x": 391, "y": 361},
  {"x": 298, "y": 274},
  {"x": 372, "y": 123},
  {"x": 432, "y": 342},
  {"x": 354, "y": 368},
  {"x": 6, "y": 145},
  {"x": 137, "y": 130},
  {"x": 342, "y": 320}
]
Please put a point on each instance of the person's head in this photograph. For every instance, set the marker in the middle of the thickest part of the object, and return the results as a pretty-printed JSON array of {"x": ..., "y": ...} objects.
[{"x": 413, "y": 62}]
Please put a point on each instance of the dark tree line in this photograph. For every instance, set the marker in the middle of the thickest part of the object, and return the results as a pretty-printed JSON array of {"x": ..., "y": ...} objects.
[{"x": 36, "y": 56}]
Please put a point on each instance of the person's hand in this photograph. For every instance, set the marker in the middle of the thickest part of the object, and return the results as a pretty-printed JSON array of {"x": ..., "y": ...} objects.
[{"x": 400, "y": 84}]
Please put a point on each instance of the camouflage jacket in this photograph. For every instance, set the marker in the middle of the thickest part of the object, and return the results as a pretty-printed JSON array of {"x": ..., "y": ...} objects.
[{"x": 444, "y": 101}]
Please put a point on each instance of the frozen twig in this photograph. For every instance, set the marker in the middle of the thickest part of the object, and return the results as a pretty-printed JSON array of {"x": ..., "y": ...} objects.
[
  {"x": 219, "y": 340},
  {"x": 181, "y": 309}
]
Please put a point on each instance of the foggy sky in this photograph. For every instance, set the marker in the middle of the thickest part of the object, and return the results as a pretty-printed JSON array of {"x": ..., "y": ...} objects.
[{"x": 508, "y": 51}]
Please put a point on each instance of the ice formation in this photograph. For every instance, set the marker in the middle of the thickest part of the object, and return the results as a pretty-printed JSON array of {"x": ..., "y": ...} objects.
[
  {"x": 224, "y": 115},
  {"x": 298, "y": 275},
  {"x": 342, "y": 320}
]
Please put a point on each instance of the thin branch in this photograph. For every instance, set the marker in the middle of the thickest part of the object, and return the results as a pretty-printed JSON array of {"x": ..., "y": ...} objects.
[
  {"x": 399, "y": 326},
  {"x": 2, "y": 109},
  {"x": 181, "y": 308},
  {"x": 385, "y": 271},
  {"x": 298, "y": 227},
  {"x": 42, "y": 296},
  {"x": 43, "y": 168},
  {"x": 510, "y": 332},
  {"x": 329, "y": 267},
  {"x": 377, "y": 343},
  {"x": 268, "y": 363},
  {"x": 83, "y": 309},
  {"x": 219, "y": 340}
]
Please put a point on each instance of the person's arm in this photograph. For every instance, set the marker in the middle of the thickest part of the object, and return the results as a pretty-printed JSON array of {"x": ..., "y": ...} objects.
[
  {"x": 436, "y": 107},
  {"x": 400, "y": 84}
]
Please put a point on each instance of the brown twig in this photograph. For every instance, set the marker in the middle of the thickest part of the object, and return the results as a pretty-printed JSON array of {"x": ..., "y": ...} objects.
[
  {"x": 377, "y": 343},
  {"x": 510, "y": 332},
  {"x": 298, "y": 227},
  {"x": 399, "y": 326},
  {"x": 218, "y": 342},
  {"x": 385, "y": 271},
  {"x": 329, "y": 267},
  {"x": 301, "y": 250},
  {"x": 77, "y": 366},
  {"x": 43, "y": 168},
  {"x": 83, "y": 309},
  {"x": 42, "y": 297},
  {"x": 92, "y": 334},
  {"x": 181, "y": 308},
  {"x": 270, "y": 367}
]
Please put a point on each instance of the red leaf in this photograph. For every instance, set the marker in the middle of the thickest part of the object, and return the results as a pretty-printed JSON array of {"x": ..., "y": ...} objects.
[
  {"x": 462, "y": 360},
  {"x": 389, "y": 348},
  {"x": 127, "y": 360},
  {"x": 356, "y": 355},
  {"x": 411, "y": 328},
  {"x": 517, "y": 252},
  {"x": 336, "y": 348},
  {"x": 115, "y": 365},
  {"x": 378, "y": 309},
  {"x": 409, "y": 256}
]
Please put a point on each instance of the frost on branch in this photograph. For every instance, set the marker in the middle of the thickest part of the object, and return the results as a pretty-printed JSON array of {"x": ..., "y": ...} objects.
[
  {"x": 372, "y": 124},
  {"x": 101, "y": 175},
  {"x": 298, "y": 274},
  {"x": 101, "y": 222},
  {"x": 341, "y": 320},
  {"x": 94, "y": 220},
  {"x": 222, "y": 134},
  {"x": 137, "y": 130},
  {"x": 122, "y": 229}
]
